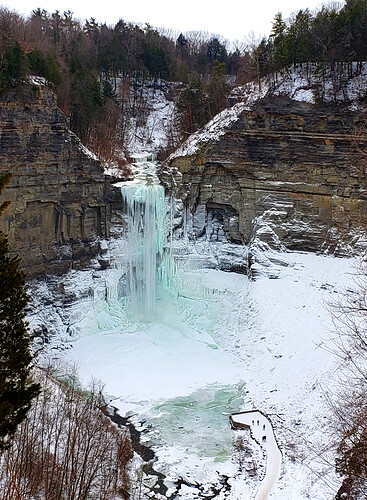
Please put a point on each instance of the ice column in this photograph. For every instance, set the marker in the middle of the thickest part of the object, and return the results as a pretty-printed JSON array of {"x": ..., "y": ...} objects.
[{"x": 145, "y": 209}]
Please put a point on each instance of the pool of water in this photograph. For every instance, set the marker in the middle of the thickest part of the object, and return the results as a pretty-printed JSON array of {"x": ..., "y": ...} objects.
[{"x": 199, "y": 423}]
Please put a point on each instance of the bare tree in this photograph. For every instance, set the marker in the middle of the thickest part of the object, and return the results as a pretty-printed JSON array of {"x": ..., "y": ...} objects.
[
  {"x": 252, "y": 46},
  {"x": 12, "y": 28},
  {"x": 66, "y": 449},
  {"x": 349, "y": 404}
]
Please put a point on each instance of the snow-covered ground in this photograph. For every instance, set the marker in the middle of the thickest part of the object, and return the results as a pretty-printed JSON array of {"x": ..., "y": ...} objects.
[
  {"x": 152, "y": 118},
  {"x": 223, "y": 345}
]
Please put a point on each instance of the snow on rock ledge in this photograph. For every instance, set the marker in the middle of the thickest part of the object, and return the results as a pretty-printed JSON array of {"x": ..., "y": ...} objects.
[{"x": 211, "y": 132}]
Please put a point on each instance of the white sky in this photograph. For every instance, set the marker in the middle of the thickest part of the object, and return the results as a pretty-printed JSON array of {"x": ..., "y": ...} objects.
[{"x": 233, "y": 19}]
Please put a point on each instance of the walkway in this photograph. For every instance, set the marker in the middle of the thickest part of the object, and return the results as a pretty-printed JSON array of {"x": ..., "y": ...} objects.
[{"x": 262, "y": 431}]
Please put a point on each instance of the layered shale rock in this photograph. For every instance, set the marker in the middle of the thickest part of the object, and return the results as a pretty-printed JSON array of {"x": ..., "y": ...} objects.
[
  {"x": 283, "y": 172},
  {"x": 59, "y": 197}
]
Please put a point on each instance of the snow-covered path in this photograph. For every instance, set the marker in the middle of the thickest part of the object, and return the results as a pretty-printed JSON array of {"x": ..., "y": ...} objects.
[{"x": 262, "y": 431}]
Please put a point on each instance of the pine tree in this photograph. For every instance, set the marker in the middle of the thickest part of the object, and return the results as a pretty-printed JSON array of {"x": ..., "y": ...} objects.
[
  {"x": 216, "y": 51},
  {"x": 182, "y": 47},
  {"x": 13, "y": 67},
  {"x": 217, "y": 89},
  {"x": 278, "y": 39},
  {"x": 279, "y": 26},
  {"x": 16, "y": 392}
]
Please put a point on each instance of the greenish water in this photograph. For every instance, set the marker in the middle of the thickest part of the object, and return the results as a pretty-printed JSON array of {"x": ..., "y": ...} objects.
[{"x": 199, "y": 423}]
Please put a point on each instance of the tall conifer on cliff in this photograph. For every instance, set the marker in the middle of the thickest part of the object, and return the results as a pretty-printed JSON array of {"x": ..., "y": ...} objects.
[{"x": 16, "y": 392}]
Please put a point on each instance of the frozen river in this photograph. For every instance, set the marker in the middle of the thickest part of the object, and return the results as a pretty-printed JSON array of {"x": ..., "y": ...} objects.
[{"x": 174, "y": 374}]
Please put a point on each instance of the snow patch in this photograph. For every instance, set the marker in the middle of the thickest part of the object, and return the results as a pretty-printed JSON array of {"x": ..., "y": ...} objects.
[
  {"x": 89, "y": 153},
  {"x": 37, "y": 81},
  {"x": 211, "y": 132}
]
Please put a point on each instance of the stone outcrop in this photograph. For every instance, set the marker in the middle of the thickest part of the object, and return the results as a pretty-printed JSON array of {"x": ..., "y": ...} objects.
[
  {"x": 284, "y": 172},
  {"x": 59, "y": 196}
]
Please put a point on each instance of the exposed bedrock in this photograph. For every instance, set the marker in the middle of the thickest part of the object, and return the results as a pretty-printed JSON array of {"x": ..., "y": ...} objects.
[
  {"x": 283, "y": 172},
  {"x": 59, "y": 196}
]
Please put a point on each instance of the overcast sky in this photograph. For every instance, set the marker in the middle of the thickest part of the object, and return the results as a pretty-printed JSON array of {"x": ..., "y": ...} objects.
[{"x": 233, "y": 19}]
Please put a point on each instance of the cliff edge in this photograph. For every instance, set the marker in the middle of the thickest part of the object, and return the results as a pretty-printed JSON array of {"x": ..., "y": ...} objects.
[
  {"x": 279, "y": 171},
  {"x": 59, "y": 196}
]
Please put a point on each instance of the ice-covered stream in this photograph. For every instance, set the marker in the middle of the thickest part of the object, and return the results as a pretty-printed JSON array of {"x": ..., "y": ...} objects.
[{"x": 181, "y": 345}]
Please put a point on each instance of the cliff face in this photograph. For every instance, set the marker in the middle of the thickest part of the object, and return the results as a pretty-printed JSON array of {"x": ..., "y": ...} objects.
[
  {"x": 283, "y": 172},
  {"x": 59, "y": 196}
]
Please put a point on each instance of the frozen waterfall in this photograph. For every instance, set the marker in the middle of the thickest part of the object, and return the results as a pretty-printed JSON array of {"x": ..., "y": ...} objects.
[{"x": 145, "y": 209}]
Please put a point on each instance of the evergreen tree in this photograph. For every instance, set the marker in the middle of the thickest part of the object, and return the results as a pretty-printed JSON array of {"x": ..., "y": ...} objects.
[
  {"x": 182, "y": 47},
  {"x": 13, "y": 66},
  {"x": 193, "y": 105},
  {"x": 279, "y": 26},
  {"x": 261, "y": 58},
  {"x": 355, "y": 26},
  {"x": 301, "y": 36},
  {"x": 217, "y": 89},
  {"x": 278, "y": 42},
  {"x": 216, "y": 51},
  {"x": 16, "y": 393},
  {"x": 156, "y": 60},
  {"x": 45, "y": 66},
  {"x": 155, "y": 54}
]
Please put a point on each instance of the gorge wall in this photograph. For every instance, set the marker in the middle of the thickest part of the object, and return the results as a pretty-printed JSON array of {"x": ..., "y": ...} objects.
[
  {"x": 284, "y": 172},
  {"x": 281, "y": 172},
  {"x": 59, "y": 196}
]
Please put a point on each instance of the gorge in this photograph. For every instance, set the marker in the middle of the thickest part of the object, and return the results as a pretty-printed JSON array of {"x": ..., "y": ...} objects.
[
  {"x": 178, "y": 359},
  {"x": 286, "y": 172}
]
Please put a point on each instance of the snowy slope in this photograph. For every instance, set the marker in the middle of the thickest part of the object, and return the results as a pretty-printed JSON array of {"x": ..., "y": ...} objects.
[
  {"x": 151, "y": 118},
  {"x": 301, "y": 83}
]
